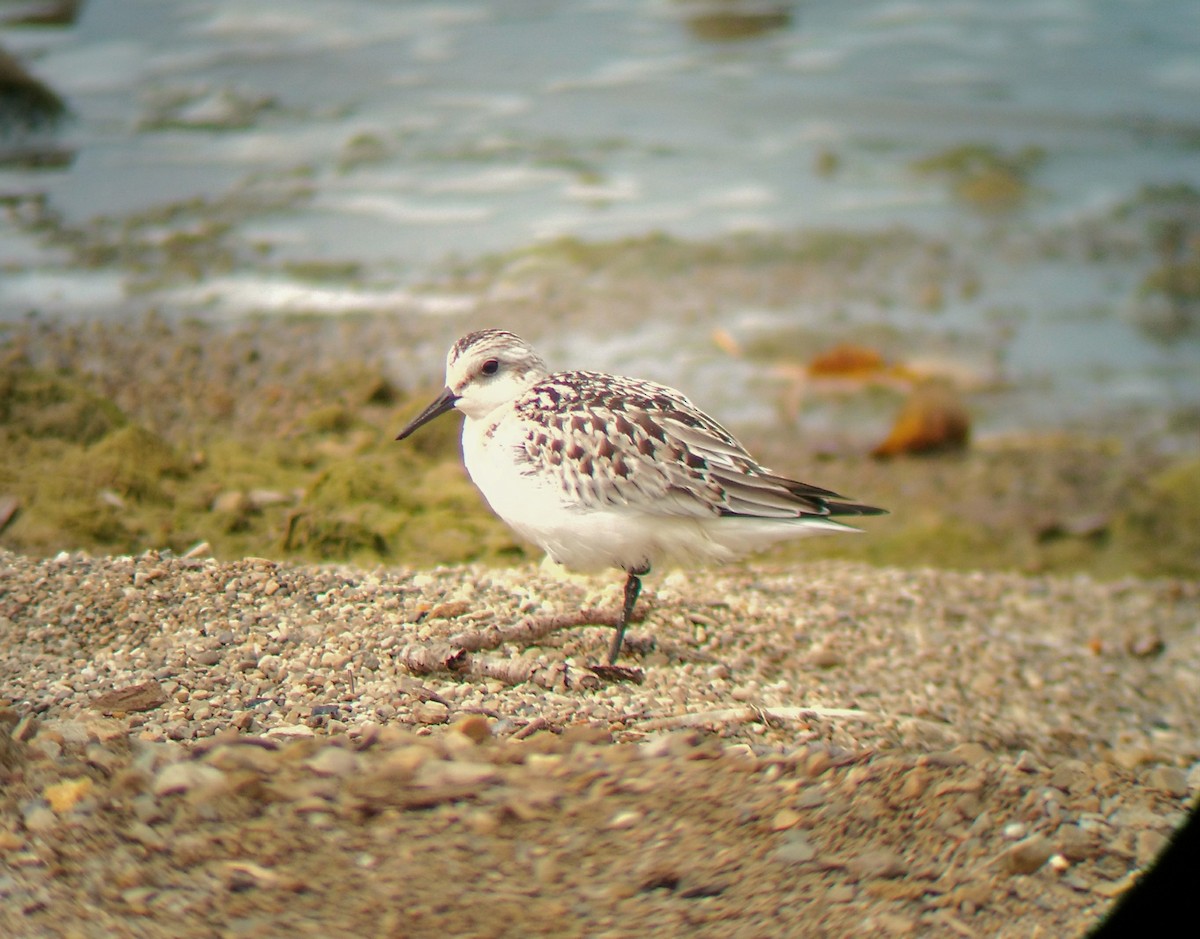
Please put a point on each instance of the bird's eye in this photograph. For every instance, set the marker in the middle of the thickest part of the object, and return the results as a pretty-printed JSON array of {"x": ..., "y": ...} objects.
[{"x": 490, "y": 367}]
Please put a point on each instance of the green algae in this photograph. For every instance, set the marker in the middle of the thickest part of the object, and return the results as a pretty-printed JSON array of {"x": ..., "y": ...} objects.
[
  {"x": 276, "y": 438},
  {"x": 39, "y": 403},
  {"x": 984, "y": 177},
  {"x": 1159, "y": 529}
]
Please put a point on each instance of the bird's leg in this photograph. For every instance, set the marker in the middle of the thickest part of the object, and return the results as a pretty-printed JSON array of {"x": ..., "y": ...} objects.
[{"x": 633, "y": 586}]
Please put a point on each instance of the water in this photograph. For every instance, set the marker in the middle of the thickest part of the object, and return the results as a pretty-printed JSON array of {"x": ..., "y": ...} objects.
[{"x": 395, "y": 136}]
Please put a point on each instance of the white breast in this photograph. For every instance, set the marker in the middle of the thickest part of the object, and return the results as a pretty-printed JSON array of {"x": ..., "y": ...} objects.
[{"x": 537, "y": 506}]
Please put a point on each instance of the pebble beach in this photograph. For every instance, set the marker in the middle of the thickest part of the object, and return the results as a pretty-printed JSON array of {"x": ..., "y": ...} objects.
[{"x": 194, "y": 747}]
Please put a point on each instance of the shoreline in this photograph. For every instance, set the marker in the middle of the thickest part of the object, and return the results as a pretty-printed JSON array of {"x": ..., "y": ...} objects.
[{"x": 276, "y": 439}]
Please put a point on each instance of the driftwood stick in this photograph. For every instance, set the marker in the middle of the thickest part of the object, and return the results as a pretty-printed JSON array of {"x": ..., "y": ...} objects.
[
  {"x": 456, "y": 654},
  {"x": 529, "y": 629}
]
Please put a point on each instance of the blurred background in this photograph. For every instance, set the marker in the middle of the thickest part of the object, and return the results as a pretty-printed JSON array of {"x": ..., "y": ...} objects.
[{"x": 944, "y": 257}]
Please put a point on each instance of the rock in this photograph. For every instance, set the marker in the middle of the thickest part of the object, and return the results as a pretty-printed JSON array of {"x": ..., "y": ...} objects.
[
  {"x": 27, "y": 728},
  {"x": 186, "y": 777},
  {"x": 786, "y": 818},
  {"x": 1169, "y": 779},
  {"x": 1076, "y": 844},
  {"x": 1148, "y": 845},
  {"x": 39, "y": 818},
  {"x": 144, "y": 835},
  {"x": 794, "y": 848},
  {"x": 144, "y": 696},
  {"x": 824, "y": 657},
  {"x": 624, "y": 820},
  {"x": 270, "y": 665},
  {"x": 430, "y": 712},
  {"x": 64, "y": 796},
  {"x": 878, "y": 863},
  {"x": 449, "y": 609},
  {"x": 972, "y": 753},
  {"x": 291, "y": 731},
  {"x": 333, "y": 761},
  {"x": 474, "y": 727},
  {"x": 1026, "y": 856}
]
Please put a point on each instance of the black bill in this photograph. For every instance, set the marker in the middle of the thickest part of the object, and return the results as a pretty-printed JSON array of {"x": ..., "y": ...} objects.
[{"x": 440, "y": 405}]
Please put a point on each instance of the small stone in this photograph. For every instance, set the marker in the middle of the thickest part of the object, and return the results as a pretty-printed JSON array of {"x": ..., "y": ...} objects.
[
  {"x": 291, "y": 731},
  {"x": 39, "y": 818},
  {"x": 817, "y": 763},
  {"x": 64, "y": 796},
  {"x": 895, "y": 924},
  {"x": 1114, "y": 888},
  {"x": 1148, "y": 845},
  {"x": 794, "y": 848},
  {"x": 878, "y": 863},
  {"x": 1145, "y": 643},
  {"x": 916, "y": 781},
  {"x": 972, "y": 753},
  {"x": 1132, "y": 757},
  {"x": 1026, "y": 856},
  {"x": 138, "y": 899},
  {"x": 1076, "y": 844},
  {"x": 449, "y": 610},
  {"x": 474, "y": 727},
  {"x": 333, "y": 761},
  {"x": 1169, "y": 779},
  {"x": 244, "y": 875},
  {"x": 624, "y": 820},
  {"x": 430, "y": 712},
  {"x": 270, "y": 665},
  {"x": 185, "y": 777},
  {"x": 144, "y": 696},
  {"x": 786, "y": 818},
  {"x": 141, "y": 578},
  {"x": 26, "y": 729},
  {"x": 144, "y": 835},
  {"x": 824, "y": 657}
]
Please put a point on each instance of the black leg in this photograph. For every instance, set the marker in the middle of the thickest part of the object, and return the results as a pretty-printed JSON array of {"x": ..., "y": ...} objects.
[{"x": 633, "y": 586}]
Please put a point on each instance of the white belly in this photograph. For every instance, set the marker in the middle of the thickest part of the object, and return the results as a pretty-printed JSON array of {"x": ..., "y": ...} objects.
[{"x": 537, "y": 508}]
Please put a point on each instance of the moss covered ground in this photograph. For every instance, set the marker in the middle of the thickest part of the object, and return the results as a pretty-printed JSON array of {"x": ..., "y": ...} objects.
[{"x": 274, "y": 438}]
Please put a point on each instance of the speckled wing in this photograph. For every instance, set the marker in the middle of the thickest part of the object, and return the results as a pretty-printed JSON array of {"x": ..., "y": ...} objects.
[{"x": 622, "y": 442}]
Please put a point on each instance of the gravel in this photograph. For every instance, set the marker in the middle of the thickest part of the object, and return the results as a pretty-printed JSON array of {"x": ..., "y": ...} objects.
[{"x": 193, "y": 747}]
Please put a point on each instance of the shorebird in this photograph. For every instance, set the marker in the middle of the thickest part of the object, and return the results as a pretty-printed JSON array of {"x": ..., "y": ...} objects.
[{"x": 605, "y": 471}]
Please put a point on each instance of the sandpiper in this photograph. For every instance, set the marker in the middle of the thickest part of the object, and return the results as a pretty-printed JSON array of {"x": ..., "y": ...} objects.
[{"x": 606, "y": 471}]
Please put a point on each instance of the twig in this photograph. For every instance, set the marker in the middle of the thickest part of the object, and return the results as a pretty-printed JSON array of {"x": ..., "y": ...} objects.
[
  {"x": 530, "y": 629},
  {"x": 538, "y": 723}
]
